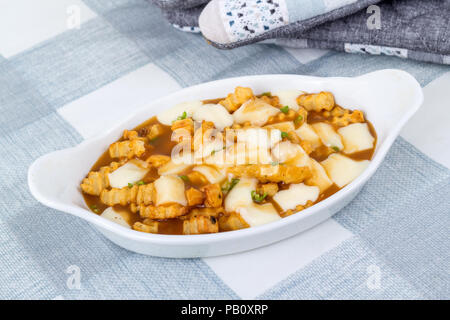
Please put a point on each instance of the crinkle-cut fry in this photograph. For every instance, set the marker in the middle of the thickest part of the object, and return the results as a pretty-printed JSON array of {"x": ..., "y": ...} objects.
[
  {"x": 96, "y": 181},
  {"x": 297, "y": 209},
  {"x": 234, "y": 100},
  {"x": 134, "y": 207},
  {"x": 205, "y": 212},
  {"x": 139, "y": 195},
  {"x": 272, "y": 100},
  {"x": 127, "y": 149},
  {"x": 293, "y": 137},
  {"x": 231, "y": 222},
  {"x": 269, "y": 188},
  {"x": 200, "y": 224},
  {"x": 322, "y": 152},
  {"x": 130, "y": 135},
  {"x": 154, "y": 131},
  {"x": 158, "y": 160},
  {"x": 162, "y": 212},
  {"x": 122, "y": 196},
  {"x": 203, "y": 133},
  {"x": 194, "y": 197},
  {"x": 307, "y": 146},
  {"x": 196, "y": 178},
  {"x": 300, "y": 117},
  {"x": 346, "y": 117},
  {"x": 185, "y": 124},
  {"x": 272, "y": 173},
  {"x": 146, "y": 194},
  {"x": 213, "y": 195},
  {"x": 149, "y": 227},
  {"x": 317, "y": 101}
]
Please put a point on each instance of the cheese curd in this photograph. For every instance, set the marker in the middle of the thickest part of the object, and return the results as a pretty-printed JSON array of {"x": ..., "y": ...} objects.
[
  {"x": 170, "y": 189},
  {"x": 130, "y": 172},
  {"x": 254, "y": 111},
  {"x": 214, "y": 113},
  {"x": 327, "y": 135},
  {"x": 110, "y": 214},
  {"x": 356, "y": 137},
  {"x": 289, "y": 98},
  {"x": 307, "y": 133},
  {"x": 343, "y": 170},
  {"x": 297, "y": 194}
]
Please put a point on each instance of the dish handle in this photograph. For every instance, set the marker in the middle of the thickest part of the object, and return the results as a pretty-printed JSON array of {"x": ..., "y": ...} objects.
[{"x": 54, "y": 186}]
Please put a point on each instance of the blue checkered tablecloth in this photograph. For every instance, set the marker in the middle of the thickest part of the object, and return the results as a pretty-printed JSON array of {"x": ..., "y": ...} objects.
[{"x": 70, "y": 69}]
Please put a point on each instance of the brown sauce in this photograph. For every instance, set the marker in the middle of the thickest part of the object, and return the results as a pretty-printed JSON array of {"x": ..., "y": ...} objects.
[{"x": 163, "y": 145}]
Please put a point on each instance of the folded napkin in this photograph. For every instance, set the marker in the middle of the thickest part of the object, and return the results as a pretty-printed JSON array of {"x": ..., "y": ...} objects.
[{"x": 406, "y": 28}]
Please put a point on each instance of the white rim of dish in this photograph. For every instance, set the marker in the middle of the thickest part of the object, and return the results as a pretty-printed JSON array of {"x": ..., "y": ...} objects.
[{"x": 180, "y": 240}]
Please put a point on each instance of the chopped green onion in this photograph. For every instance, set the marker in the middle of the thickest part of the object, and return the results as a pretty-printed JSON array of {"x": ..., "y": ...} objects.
[
  {"x": 298, "y": 119},
  {"x": 230, "y": 185},
  {"x": 335, "y": 148},
  {"x": 284, "y": 109},
  {"x": 183, "y": 116},
  {"x": 130, "y": 185},
  {"x": 258, "y": 197},
  {"x": 94, "y": 208},
  {"x": 234, "y": 182},
  {"x": 185, "y": 178},
  {"x": 214, "y": 151},
  {"x": 267, "y": 94},
  {"x": 140, "y": 183},
  {"x": 284, "y": 134}
]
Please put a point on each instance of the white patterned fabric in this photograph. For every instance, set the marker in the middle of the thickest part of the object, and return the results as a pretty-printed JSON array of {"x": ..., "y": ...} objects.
[{"x": 245, "y": 19}]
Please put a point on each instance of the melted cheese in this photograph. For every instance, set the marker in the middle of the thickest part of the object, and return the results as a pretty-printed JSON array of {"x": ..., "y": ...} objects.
[
  {"x": 275, "y": 137},
  {"x": 240, "y": 200},
  {"x": 253, "y": 136},
  {"x": 259, "y": 214},
  {"x": 217, "y": 158},
  {"x": 297, "y": 194},
  {"x": 214, "y": 113},
  {"x": 257, "y": 143},
  {"x": 115, "y": 216},
  {"x": 210, "y": 173},
  {"x": 288, "y": 98},
  {"x": 261, "y": 137},
  {"x": 290, "y": 153},
  {"x": 240, "y": 196},
  {"x": 172, "y": 168},
  {"x": 257, "y": 112},
  {"x": 252, "y": 147},
  {"x": 319, "y": 176},
  {"x": 170, "y": 189},
  {"x": 327, "y": 135},
  {"x": 286, "y": 126},
  {"x": 130, "y": 172},
  {"x": 356, "y": 137},
  {"x": 343, "y": 170},
  {"x": 235, "y": 154},
  {"x": 209, "y": 147},
  {"x": 306, "y": 132},
  {"x": 170, "y": 115}
]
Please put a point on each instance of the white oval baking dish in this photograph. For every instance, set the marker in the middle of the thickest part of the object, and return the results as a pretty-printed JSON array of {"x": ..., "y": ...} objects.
[{"x": 388, "y": 98}]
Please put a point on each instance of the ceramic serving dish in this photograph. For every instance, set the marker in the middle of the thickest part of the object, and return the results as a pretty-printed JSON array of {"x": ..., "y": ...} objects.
[{"x": 387, "y": 97}]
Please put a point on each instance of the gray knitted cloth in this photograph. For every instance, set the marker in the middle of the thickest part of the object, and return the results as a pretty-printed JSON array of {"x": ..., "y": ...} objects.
[{"x": 414, "y": 29}]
